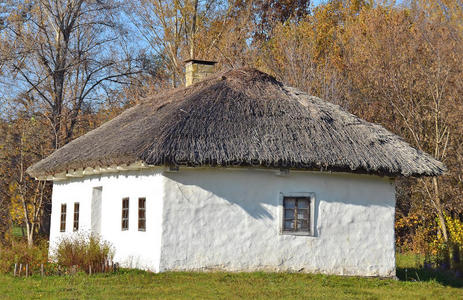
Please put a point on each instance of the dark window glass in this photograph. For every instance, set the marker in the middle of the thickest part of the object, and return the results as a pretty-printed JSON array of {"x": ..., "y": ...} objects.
[
  {"x": 125, "y": 213},
  {"x": 296, "y": 216},
  {"x": 62, "y": 226},
  {"x": 141, "y": 214},
  {"x": 75, "y": 227}
]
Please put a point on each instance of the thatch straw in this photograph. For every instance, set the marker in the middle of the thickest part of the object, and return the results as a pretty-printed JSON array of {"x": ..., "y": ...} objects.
[{"x": 242, "y": 118}]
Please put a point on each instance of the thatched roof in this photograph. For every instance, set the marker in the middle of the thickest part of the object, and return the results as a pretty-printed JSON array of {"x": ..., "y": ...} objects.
[{"x": 242, "y": 118}]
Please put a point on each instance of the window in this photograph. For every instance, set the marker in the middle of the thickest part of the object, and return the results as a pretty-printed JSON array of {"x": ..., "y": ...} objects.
[
  {"x": 298, "y": 214},
  {"x": 125, "y": 214},
  {"x": 141, "y": 214},
  {"x": 62, "y": 226},
  {"x": 75, "y": 227}
]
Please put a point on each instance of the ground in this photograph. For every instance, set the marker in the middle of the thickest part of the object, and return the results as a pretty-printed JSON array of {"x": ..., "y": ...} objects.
[{"x": 132, "y": 284}]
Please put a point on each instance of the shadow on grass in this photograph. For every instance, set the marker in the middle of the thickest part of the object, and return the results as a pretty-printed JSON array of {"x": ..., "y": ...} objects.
[{"x": 426, "y": 274}]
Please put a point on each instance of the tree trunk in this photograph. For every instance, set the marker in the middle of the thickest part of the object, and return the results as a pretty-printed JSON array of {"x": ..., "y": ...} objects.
[
  {"x": 30, "y": 235},
  {"x": 440, "y": 213},
  {"x": 58, "y": 106},
  {"x": 193, "y": 30}
]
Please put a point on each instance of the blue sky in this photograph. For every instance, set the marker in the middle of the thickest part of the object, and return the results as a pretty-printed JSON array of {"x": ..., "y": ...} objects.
[{"x": 317, "y": 2}]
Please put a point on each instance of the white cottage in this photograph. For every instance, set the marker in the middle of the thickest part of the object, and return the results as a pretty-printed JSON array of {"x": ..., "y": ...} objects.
[{"x": 236, "y": 172}]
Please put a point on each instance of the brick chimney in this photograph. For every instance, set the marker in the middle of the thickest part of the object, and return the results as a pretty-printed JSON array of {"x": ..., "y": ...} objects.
[{"x": 196, "y": 70}]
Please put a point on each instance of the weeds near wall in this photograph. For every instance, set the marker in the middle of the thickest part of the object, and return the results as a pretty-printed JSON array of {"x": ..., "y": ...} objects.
[
  {"x": 78, "y": 253},
  {"x": 85, "y": 252},
  {"x": 20, "y": 254}
]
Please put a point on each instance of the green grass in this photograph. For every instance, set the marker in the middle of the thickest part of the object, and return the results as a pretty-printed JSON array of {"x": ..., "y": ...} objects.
[
  {"x": 17, "y": 231},
  {"x": 409, "y": 269},
  {"x": 143, "y": 285}
]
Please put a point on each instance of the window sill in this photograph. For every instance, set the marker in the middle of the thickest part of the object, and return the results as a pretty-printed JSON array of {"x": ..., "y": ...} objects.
[{"x": 296, "y": 233}]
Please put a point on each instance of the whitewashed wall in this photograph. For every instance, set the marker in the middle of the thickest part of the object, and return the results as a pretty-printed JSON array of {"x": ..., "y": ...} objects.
[
  {"x": 229, "y": 220},
  {"x": 133, "y": 248}
]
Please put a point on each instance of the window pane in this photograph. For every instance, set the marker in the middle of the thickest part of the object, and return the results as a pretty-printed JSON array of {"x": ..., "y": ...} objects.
[
  {"x": 141, "y": 225},
  {"x": 125, "y": 213},
  {"x": 76, "y": 216},
  {"x": 302, "y": 225},
  {"x": 289, "y": 225},
  {"x": 63, "y": 218},
  {"x": 289, "y": 213},
  {"x": 303, "y": 214},
  {"x": 302, "y": 203},
  {"x": 141, "y": 202},
  {"x": 141, "y": 214},
  {"x": 289, "y": 202}
]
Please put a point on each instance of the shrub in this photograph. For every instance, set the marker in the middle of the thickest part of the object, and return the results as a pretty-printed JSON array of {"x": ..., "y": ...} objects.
[
  {"x": 84, "y": 251},
  {"x": 18, "y": 252},
  {"x": 448, "y": 254}
]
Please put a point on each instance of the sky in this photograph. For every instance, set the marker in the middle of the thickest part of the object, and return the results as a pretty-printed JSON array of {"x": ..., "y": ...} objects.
[{"x": 317, "y": 2}]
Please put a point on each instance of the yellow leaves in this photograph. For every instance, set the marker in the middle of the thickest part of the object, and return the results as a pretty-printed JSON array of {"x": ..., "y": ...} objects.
[
  {"x": 455, "y": 236},
  {"x": 16, "y": 207},
  {"x": 408, "y": 222},
  {"x": 455, "y": 230}
]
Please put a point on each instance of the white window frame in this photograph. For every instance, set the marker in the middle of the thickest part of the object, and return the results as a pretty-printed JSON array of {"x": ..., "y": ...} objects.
[{"x": 310, "y": 195}]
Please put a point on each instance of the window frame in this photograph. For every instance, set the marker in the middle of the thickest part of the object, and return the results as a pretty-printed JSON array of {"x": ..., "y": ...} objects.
[
  {"x": 127, "y": 217},
  {"x": 311, "y": 224},
  {"x": 144, "y": 213},
  {"x": 76, "y": 217},
  {"x": 62, "y": 220}
]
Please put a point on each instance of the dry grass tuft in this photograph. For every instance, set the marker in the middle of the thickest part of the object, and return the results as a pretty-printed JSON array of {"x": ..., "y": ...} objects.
[{"x": 86, "y": 252}]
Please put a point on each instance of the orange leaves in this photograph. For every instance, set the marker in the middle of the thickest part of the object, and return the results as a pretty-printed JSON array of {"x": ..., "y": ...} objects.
[{"x": 398, "y": 66}]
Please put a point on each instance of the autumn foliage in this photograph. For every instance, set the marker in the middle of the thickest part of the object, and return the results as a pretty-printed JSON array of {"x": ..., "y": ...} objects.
[{"x": 401, "y": 67}]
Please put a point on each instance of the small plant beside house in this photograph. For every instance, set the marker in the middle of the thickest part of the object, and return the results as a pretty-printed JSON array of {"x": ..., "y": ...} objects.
[
  {"x": 81, "y": 253},
  {"x": 85, "y": 252},
  {"x": 20, "y": 259}
]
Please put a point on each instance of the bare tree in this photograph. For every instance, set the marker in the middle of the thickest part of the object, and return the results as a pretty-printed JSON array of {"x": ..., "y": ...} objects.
[
  {"x": 59, "y": 60},
  {"x": 170, "y": 28},
  {"x": 5, "y": 201},
  {"x": 59, "y": 54},
  {"x": 22, "y": 197}
]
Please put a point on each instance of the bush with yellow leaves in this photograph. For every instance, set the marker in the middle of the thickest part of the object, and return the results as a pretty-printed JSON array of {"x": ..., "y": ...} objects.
[{"x": 448, "y": 254}]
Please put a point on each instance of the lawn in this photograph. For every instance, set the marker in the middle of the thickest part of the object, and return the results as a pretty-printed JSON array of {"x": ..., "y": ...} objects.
[
  {"x": 17, "y": 232},
  {"x": 132, "y": 284}
]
